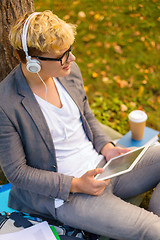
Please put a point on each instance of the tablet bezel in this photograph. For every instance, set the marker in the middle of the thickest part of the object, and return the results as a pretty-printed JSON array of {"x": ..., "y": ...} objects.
[{"x": 129, "y": 168}]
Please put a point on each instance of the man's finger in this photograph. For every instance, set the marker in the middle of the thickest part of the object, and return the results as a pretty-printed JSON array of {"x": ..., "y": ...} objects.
[{"x": 95, "y": 171}]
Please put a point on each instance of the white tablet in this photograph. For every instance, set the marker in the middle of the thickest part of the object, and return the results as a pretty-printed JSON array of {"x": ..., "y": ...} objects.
[{"x": 121, "y": 164}]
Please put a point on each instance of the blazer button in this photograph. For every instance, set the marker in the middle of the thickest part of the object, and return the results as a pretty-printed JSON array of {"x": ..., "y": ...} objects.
[{"x": 54, "y": 166}]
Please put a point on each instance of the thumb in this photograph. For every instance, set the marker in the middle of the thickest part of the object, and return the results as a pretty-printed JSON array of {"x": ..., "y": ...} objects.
[{"x": 124, "y": 150}]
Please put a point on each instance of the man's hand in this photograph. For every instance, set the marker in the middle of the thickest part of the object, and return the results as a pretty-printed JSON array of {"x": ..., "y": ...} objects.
[
  {"x": 88, "y": 185},
  {"x": 109, "y": 151}
]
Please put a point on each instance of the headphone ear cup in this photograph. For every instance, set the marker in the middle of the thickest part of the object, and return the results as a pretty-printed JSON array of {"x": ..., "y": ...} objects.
[{"x": 33, "y": 66}]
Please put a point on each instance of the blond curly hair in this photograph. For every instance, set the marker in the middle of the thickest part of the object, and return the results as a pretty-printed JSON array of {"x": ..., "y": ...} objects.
[{"x": 46, "y": 32}]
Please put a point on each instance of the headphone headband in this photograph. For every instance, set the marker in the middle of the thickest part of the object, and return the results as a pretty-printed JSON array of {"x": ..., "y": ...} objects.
[
  {"x": 32, "y": 65},
  {"x": 25, "y": 31}
]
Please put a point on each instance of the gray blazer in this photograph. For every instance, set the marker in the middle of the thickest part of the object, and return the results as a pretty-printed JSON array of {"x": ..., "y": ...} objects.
[{"x": 27, "y": 153}]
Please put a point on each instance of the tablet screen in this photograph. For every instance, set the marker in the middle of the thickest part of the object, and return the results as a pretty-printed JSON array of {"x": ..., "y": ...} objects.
[{"x": 121, "y": 164}]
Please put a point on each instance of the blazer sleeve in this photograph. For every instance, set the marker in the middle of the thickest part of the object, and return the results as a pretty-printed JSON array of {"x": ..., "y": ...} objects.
[{"x": 13, "y": 162}]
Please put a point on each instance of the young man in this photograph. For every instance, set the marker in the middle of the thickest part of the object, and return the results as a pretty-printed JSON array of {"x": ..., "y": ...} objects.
[{"x": 51, "y": 144}]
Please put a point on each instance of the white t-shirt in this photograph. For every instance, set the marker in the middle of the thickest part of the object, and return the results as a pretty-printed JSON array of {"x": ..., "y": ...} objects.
[{"x": 74, "y": 152}]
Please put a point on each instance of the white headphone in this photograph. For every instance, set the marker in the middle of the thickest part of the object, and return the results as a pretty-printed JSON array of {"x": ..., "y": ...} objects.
[{"x": 32, "y": 65}]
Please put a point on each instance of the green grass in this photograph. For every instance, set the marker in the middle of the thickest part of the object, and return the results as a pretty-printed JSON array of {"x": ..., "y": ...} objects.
[{"x": 117, "y": 48}]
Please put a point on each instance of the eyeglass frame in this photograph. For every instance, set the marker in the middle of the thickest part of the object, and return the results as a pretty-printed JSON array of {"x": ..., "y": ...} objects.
[{"x": 55, "y": 59}]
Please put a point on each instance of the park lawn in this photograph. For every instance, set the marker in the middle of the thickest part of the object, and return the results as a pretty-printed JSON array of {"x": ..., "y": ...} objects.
[{"x": 117, "y": 48}]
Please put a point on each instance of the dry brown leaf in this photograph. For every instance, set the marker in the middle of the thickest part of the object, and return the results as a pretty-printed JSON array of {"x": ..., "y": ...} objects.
[
  {"x": 66, "y": 17},
  {"x": 121, "y": 83},
  {"x": 81, "y": 15},
  {"x": 132, "y": 104},
  {"x": 158, "y": 99},
  {"x": 107, "y": 45},
  {"x": 99, "y": 44},
  {"x": 118, "y": 49},
  {"x": 106, "y": 80},
  {"x": 89, "y": 65},
  {"x": 124, "y": 108}
]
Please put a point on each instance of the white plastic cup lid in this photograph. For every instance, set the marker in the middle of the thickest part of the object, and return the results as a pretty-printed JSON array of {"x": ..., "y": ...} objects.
[{"x": 137, "y": 116}]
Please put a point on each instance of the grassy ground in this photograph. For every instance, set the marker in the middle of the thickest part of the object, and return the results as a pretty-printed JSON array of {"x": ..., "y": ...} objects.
[{"x": 117, "y": 48}]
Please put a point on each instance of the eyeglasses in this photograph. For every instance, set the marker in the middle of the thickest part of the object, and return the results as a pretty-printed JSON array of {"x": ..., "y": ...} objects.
[{"x": 63, "y": 59}]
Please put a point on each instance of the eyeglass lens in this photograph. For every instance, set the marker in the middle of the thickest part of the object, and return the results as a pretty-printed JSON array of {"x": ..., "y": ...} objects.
[{"x": 66, "y": 56}]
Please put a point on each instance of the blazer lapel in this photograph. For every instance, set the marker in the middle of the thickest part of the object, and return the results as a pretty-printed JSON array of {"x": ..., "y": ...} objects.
[
  {"x": 32, "y": 107},
  {"x": 69, "y": 85}
]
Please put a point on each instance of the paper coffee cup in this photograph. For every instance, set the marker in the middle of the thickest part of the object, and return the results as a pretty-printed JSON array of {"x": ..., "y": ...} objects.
[{"x": 137, "y": 123}]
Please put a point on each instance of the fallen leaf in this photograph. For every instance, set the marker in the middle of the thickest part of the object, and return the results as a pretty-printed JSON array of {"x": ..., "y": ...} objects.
[
  {"x": 106, "y": 80},
  {"x": 141, "y": 18},
  {"x": 88, "y": 37},
  {"x": 146, "y": 71},
  {"x": 142, "y": 39},
  {"x": 75, "y": 2},
  {"x": 92, "y": 27},
  {"x": 109, "y": 24},
  {"x": 97, "y": 93},
  {"x": 146, "y": 43},
  {"x": 123, "y": 114},
  {"x": 98, "y": 17},
  {"x": 66, "y": 17},
  {"x": 144, "y": 81},
  {"x": 140, "y": 91},
  {"x": 107, "y": 45},
  {"x": 92, "y": 13},
  {"x": 94, "y": 75},
  {"x": 103, "y": 73},
  {"x": 118, "y": 49},
  {"x": 108, "y": 68},
  {"x": 104, "y": 61},
  {"x": 88, "y": 52},
  {"x": 98, "y": 44},
  {"x": 158, "y": 46},
  {"x": 89, "y": 65},
  {"x": 153, "y": 44},
  {"x": 121, "y": 83},
  {"x": 145, "y": 76},
  {"x": 86, "y": 88},
  {"x": 124, "y": 108},
  {"x": 158, "y": 99},
  {"x": 137, "y": 66},
  {"x": 137, "y": 33},
  {"x": 133, "y": 104},
  {"x": 81, "y": 15}
]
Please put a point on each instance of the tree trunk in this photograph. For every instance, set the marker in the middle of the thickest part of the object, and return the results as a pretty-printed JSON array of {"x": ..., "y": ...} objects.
[{"x": 9, "y": 11}]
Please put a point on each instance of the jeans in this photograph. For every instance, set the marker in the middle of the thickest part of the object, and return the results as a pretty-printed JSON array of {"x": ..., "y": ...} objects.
[{"x": 109, "y": 214}]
